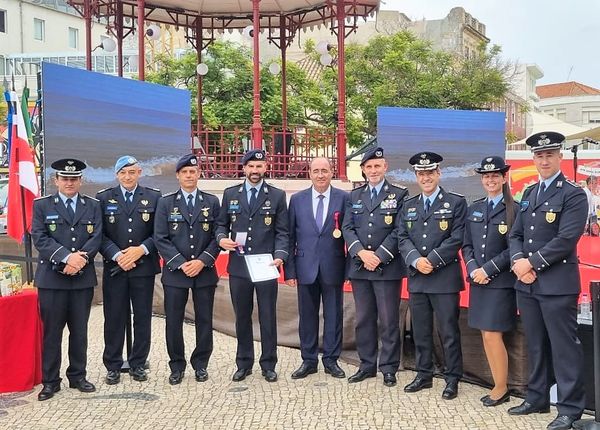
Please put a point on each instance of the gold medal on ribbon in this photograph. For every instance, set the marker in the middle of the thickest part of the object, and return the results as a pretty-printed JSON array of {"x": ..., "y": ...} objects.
[
  {"x": 502, "y": 228},
  {"x": 111, "y": 219},
  {"x": 205, "y": 226},
  {"x": 388, "y": 219},
  {"x": 52, "y": 227},
  {"x": 90, "y": 228},
  {"x": 443, "y": 225},
  {"x": 268, "y": 220},
  {"x": 550, "y": 217},
  {"x": 146, "y": 216},
  {"x": 337, "y": 233}
]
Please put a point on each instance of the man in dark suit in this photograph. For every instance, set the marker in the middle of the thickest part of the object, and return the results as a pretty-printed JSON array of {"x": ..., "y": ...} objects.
[
  {"x": 257, "y": 211},
  {"x": 130, "y": 265},
  {"x": 317, "y": 266},
  {"x": 67, "y": 232},
  {"x": 430, "y": 235},
  {"x": 184, "y": 233},
  {"x": 543, "y": 249},
  {"x": 376, "y": 271}
]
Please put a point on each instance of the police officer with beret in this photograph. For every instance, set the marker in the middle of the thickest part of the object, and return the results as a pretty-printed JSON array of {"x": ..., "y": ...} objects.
[
  {"x": 376, "y": 269},
  {"x": 130, "y": 265},
  {"x": 67, "y": 232},
  {"x": 492, "y": 302},
  {"x": 257, "y": 211},
  {"x": 543, "y": 249},
  {"x": 184, "y": 233},
  {"x": 430, "y": 231}
]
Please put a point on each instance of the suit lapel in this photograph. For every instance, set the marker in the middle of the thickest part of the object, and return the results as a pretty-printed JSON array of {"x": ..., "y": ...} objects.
[
  {"x": 435, "y": 205},
  {"x": 80, "y": 209},
  {"x": 262, "y": 196},
  {"x": 366, "y": 198},
  {"x": 198, "y": 205},
  {"x": 61, "y": 208},
  {"x": 307, "y": 204},
  {"x": 550, "y": 191},
  {"x": 333, "y": 196},
  {"x": 497, "y": 209},
  {"x": 182, "y": 205},
  {"x": 381, "y": 195}
]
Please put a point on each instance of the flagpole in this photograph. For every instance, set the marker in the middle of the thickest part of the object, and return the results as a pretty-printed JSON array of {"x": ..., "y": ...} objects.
[{"x": 27, "y": 238}]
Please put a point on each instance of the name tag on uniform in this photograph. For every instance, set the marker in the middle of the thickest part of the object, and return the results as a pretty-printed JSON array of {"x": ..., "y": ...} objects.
[
  {"x": 175, "y": 217},
  {"x": 411, "y": 215},
  {"x": 110, "y": 208},
  {"x": 50, "y": 217},
  {"x": 357, "y": 206},
  {"x": 478, "y": 214}
]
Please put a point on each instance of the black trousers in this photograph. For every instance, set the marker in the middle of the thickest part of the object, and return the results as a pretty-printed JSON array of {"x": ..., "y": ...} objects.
[
  {"x": 446, "y": 309},
  {"x": 554, "y": 353},
  {"x": 120, "y": 293},
  {"x": 309, "y": 302},
  {"x": 175, "y": 301},
  {"x": 59, "y": 308},
  {"x": 242, "y": 297},
  {"x": 377, "y": 300}
]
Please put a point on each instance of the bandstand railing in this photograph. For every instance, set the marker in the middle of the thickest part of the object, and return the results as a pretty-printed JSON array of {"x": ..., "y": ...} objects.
[{"x": 289, "y": 152}]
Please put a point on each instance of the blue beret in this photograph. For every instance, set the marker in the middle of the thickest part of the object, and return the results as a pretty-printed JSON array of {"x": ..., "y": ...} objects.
[
  {"x": 545, "y": 141},
  {"x": 372, "y": 154},
  {"x": 68, "y": 167},
  {"x": 125, "y": 161},
  {"x": 425, "y": 161},
  {"x": 254, "y": 155},
  {"x": 492, "y": 164},
  {"x": 185, "y": 161}
]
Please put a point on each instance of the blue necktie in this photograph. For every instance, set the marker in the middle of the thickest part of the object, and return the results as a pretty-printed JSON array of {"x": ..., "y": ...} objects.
[
  {"x": 373, "y": 194},
  {"x": 128, "y": 199},
  {"x": 319, "y": 214},
  {"x": 70, "y": 211},
  {"x": 190, "y": 204},
  {"x": 253, "y": 198},
  {"x": 490, "y": 209},
  {"x": 427, "y": 205}
]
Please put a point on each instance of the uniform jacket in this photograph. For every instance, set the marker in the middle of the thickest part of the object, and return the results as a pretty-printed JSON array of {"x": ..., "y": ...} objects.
[
  {"x": 125, "y": 226},
  {"x": 371, "y": 225},
  {"x": 313, "y": 251},
  {"x": 180, "y": 238},
  {"x": 438, "y": 236},
  {"x": 546, "y": 232},
  {"x": 55, "y": 237},
  {"x": 266, "y": 225},
  {"x": 486, "y": 243}
]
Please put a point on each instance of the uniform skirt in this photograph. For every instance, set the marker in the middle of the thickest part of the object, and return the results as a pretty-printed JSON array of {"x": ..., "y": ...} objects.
[{"x": 492, "y": 309}]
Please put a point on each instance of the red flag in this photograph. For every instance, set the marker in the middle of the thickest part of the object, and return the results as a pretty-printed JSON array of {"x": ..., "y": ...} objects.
[{"x": 21, "y": 175}]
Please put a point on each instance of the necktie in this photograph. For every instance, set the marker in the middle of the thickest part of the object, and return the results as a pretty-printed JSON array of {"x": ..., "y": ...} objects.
[
  {"x": 319, "y": 214},
  {"x": 427, "y": 205},
  {"x": 490, "y": 208},
  {"x": 190, "y": 204},
  {"x": 541, "y": 191},
  {"x": 253, "y": 199},
  {"x": 373, "y": 194},
  {"x": 128, "y": 195},
  {"x": 70, "y": 210}
]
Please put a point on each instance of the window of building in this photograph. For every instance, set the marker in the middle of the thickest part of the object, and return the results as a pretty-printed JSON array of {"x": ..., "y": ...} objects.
[
  {"x": 39, "y": 29},
  {"x": 2, "y": 21},
  {"x": 73, "y": 38}
]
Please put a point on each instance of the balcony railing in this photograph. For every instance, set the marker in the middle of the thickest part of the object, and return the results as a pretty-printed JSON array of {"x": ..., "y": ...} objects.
[{"x": 289, "y": 152}]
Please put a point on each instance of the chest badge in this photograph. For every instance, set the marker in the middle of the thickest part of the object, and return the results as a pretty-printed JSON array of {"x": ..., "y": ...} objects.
[
  {"x": 388, "y": 219},
  {"x": 443, "y": 225},
  {"x": 268, "y": 220},
  {"x": 502, "y": 228},
  {"x": 146, "y": 216},
  {"x": 90, "y": 228},
  {"x": 550, "y": 217},
  {"x": 52, "y": 227},
  {"x": 205, "y": 226}
]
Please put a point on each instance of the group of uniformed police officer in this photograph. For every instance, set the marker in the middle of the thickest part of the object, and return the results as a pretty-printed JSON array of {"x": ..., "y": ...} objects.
[{"x": 529, "y": 248}]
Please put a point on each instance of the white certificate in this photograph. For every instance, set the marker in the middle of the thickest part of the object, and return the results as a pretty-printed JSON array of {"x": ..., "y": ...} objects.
[{"x": 260, "y": 267}]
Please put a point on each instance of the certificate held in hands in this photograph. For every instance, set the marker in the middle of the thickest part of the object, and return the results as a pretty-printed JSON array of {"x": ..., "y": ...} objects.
[{"x": 260, "y": 267}]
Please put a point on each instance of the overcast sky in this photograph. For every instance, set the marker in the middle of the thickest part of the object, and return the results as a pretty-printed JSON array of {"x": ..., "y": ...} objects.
[{"x": 561, "y": 37}]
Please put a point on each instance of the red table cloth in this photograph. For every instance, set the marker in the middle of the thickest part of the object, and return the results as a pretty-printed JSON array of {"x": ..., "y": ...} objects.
[{"x": 20, "y": 342}]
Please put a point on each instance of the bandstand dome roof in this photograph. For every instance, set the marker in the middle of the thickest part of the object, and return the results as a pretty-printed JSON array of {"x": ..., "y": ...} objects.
[{"x": 235, "y": 14}]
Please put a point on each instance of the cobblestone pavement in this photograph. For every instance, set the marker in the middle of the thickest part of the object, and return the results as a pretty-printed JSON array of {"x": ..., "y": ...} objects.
[{"x": 317, "y": 402}]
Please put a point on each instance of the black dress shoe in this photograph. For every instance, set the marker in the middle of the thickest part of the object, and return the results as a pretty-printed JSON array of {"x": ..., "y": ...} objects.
[
  {"x": 138, "y": 374},
  {"x": 334, "y": 370},
  {"x": 389, "y": 379},
  {"x": 562, "y": 422},
  {"x": 495, "y": 402},
  {"x": 83, "y": 385},
  {"x": 303, "y": 371},
  {"x": 269, "y": 375},
  {"x": 241, "y": 374},
  {"x": 451, "y": 390},
  {"x": 527, "y": 408},
  {"x": 418, "y": 384},
  {"x": 176, "y": 377},
  {"x": 201, "y": 375},
  {"x": 48, "y": 391},
  {"x": 113, "y": 377},
  {"x": 487, "y": 396},
  {"x": 360, "y": 376}
]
